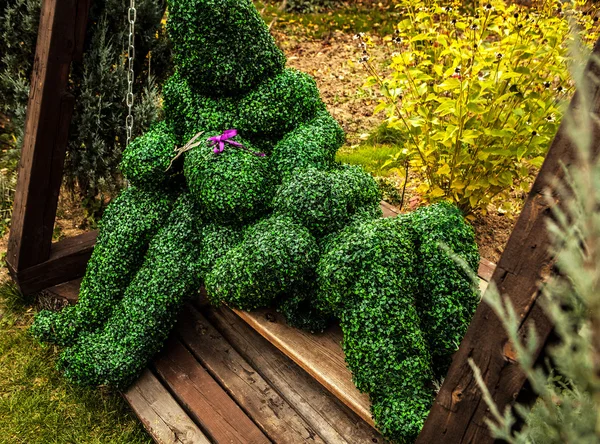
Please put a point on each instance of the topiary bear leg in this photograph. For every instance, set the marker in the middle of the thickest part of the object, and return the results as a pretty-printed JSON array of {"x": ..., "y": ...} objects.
[
  {"x": 366, "y": 275},
  {"x": 126, "y": 229},
  {"x": 447, "y": 299},
  {"x": 139, "y": 325},
  {"x": 388, "y": 355}
]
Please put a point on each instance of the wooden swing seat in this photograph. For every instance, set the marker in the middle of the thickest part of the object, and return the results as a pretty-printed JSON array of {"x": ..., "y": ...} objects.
[{"x": 234, "y": 376}]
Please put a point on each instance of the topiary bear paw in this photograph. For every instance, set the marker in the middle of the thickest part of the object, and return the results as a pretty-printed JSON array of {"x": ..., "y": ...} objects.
[{"x": 56, "y": 327}]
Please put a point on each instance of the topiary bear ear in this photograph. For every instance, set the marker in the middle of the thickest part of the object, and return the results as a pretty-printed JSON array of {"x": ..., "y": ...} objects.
[{"x": 222, "y": 47}]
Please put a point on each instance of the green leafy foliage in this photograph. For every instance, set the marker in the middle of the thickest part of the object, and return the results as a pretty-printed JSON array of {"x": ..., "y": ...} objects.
[
  {"x": 99, "y": 83},
  {"x": 222, "y": 46},
  {"x": 367, "y": 277},
  {"x": 311, "y": 144},
  {"x": 217, "y": 240},
  {"x": 325, "y": 201},
  {"x": 447, "y": 299},
  {"x": 276, "y": 256},
  {"x": 403, "y": 304},
  {"x": 148, "y": 157},
  {"x": 274, "y": 107},
  {"x": 324, "y": 252},
  {"x": 301, "y": 311},
  {"x": 130, "y": 221},
  {"x": 234, "y": 186},
  {"x": 477, "y": 94},
  {"x": 278, "y": 105},
  {"x": 116, "y": 354}
]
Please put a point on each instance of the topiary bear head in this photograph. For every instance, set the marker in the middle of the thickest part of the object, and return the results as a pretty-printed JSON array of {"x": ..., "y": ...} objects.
[{"x": 222, "y": 47}]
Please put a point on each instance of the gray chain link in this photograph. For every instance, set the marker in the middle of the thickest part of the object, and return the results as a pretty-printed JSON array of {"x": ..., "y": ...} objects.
[{"x": 131, "y": 13}]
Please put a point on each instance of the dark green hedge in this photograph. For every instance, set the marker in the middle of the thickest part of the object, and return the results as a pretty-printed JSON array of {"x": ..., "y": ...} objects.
[
  {"x": 311, "y": 144},
  {"x": 367, "y": 277},
  {"x": 232, "y": 187},
  {"x": 447, "y": 298},
  {"x": 147, "y": 158},
  {"x": 128, "y": 224},
  {"x": 325, "y": 201},
  {"x": 292, "y": 229}
]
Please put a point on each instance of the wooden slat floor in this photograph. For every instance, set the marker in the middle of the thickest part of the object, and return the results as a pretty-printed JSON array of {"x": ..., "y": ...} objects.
[{"x": 228, "y": 376}]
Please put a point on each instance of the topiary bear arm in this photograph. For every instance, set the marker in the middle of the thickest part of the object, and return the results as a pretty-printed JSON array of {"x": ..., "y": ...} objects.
[
  {"x": 146, "y": 160},
  {"x": 311, "y": 144}
]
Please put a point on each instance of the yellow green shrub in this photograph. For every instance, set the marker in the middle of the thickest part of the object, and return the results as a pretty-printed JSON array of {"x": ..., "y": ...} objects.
[{"x": 479, "y": 94}]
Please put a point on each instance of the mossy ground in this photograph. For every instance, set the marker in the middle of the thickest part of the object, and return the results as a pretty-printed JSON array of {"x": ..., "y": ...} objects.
[{"x": 38, "y": 405}]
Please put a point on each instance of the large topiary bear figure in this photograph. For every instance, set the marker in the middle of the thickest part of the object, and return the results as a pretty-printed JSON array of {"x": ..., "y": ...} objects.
[{"x": 263, "y": 215}]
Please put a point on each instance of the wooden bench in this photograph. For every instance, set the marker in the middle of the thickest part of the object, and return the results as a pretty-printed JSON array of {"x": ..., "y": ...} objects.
[{"x": 233, "y": 376}]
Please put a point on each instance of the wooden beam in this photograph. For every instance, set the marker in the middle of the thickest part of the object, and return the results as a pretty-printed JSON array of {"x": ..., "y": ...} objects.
[
  {"x": 68, "y": 260},
  {"x": 458, "y": 414},
  {"x": 60, "y": 41}
]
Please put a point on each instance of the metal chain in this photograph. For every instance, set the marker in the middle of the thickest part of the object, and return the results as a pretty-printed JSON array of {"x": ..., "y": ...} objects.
[{"x": 131, "y": 13}]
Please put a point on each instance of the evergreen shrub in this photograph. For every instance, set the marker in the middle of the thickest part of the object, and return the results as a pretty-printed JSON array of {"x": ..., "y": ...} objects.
[
  {"x": 368, "y": 277},
  {"x": 234, "y": 186},
  {"x": 268, "y": 220},
  {"x": 129, "y": 223},
  {"x": 325, "y": 201}
]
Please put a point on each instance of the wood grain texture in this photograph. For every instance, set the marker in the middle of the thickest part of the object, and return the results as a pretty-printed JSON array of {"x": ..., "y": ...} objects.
[
  {"x": 203, "y": 398},
  {"x": 60, "y": 40},
  {"x": 68, "y": 261},
  {"x": 332, "y": 420},
  {"x": 276, "y": 418},
  {"x": 458, "y": 414},
  {"x": 162, "y": 417},
  {"x": 320, "y": 355}
]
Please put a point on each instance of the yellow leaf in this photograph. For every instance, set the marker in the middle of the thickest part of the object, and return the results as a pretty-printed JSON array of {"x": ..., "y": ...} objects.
[
  {"x": 444, "y": 170},
  {"x": 437, "y": 192}
]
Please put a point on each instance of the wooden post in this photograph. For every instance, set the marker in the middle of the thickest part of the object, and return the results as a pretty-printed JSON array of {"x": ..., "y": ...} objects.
[
  {"x": 458, "y": 413},
  {"x": 61, "y": 37}
]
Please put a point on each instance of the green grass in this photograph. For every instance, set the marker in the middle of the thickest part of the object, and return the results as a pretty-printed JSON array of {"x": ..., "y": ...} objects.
[
  {"x": 370, "y": 157},
  {"x": 37, "y": 405},
  {"x": 354, "y": 18}
]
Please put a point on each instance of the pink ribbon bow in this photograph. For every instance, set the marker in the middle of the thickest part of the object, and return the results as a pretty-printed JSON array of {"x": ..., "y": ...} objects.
[
  {"x": 226, "y": 138},
  {"x": 223, "y": 139}
]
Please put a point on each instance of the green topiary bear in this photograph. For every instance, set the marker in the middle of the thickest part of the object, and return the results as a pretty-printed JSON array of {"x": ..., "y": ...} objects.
[{"x": 238, "y": 189}]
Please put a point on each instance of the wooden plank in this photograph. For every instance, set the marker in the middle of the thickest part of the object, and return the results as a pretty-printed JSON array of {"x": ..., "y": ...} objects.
[
  {"x": 206, "y": 402},
  {"x": 162, "y": 417},
  {"x": 67, "y": 261},
  {"x": 60, "y": 40},
  {"x": 458, "y": 414},
  {"x": 332, "y": 420},
  {"x": 276, "y": 418},
  {"x": 320, "y": 355},
  {"x": 68, "y": 291},
  {"x": 389, "y": 210},
  {"x": 486, "y": 269}
]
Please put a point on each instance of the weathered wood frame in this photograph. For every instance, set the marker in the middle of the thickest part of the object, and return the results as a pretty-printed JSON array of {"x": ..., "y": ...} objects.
[{"x": 36, "y": 263}]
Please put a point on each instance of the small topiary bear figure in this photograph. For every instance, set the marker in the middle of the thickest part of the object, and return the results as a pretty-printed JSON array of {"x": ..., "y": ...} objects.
[{"x": 263, "y": 215}]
